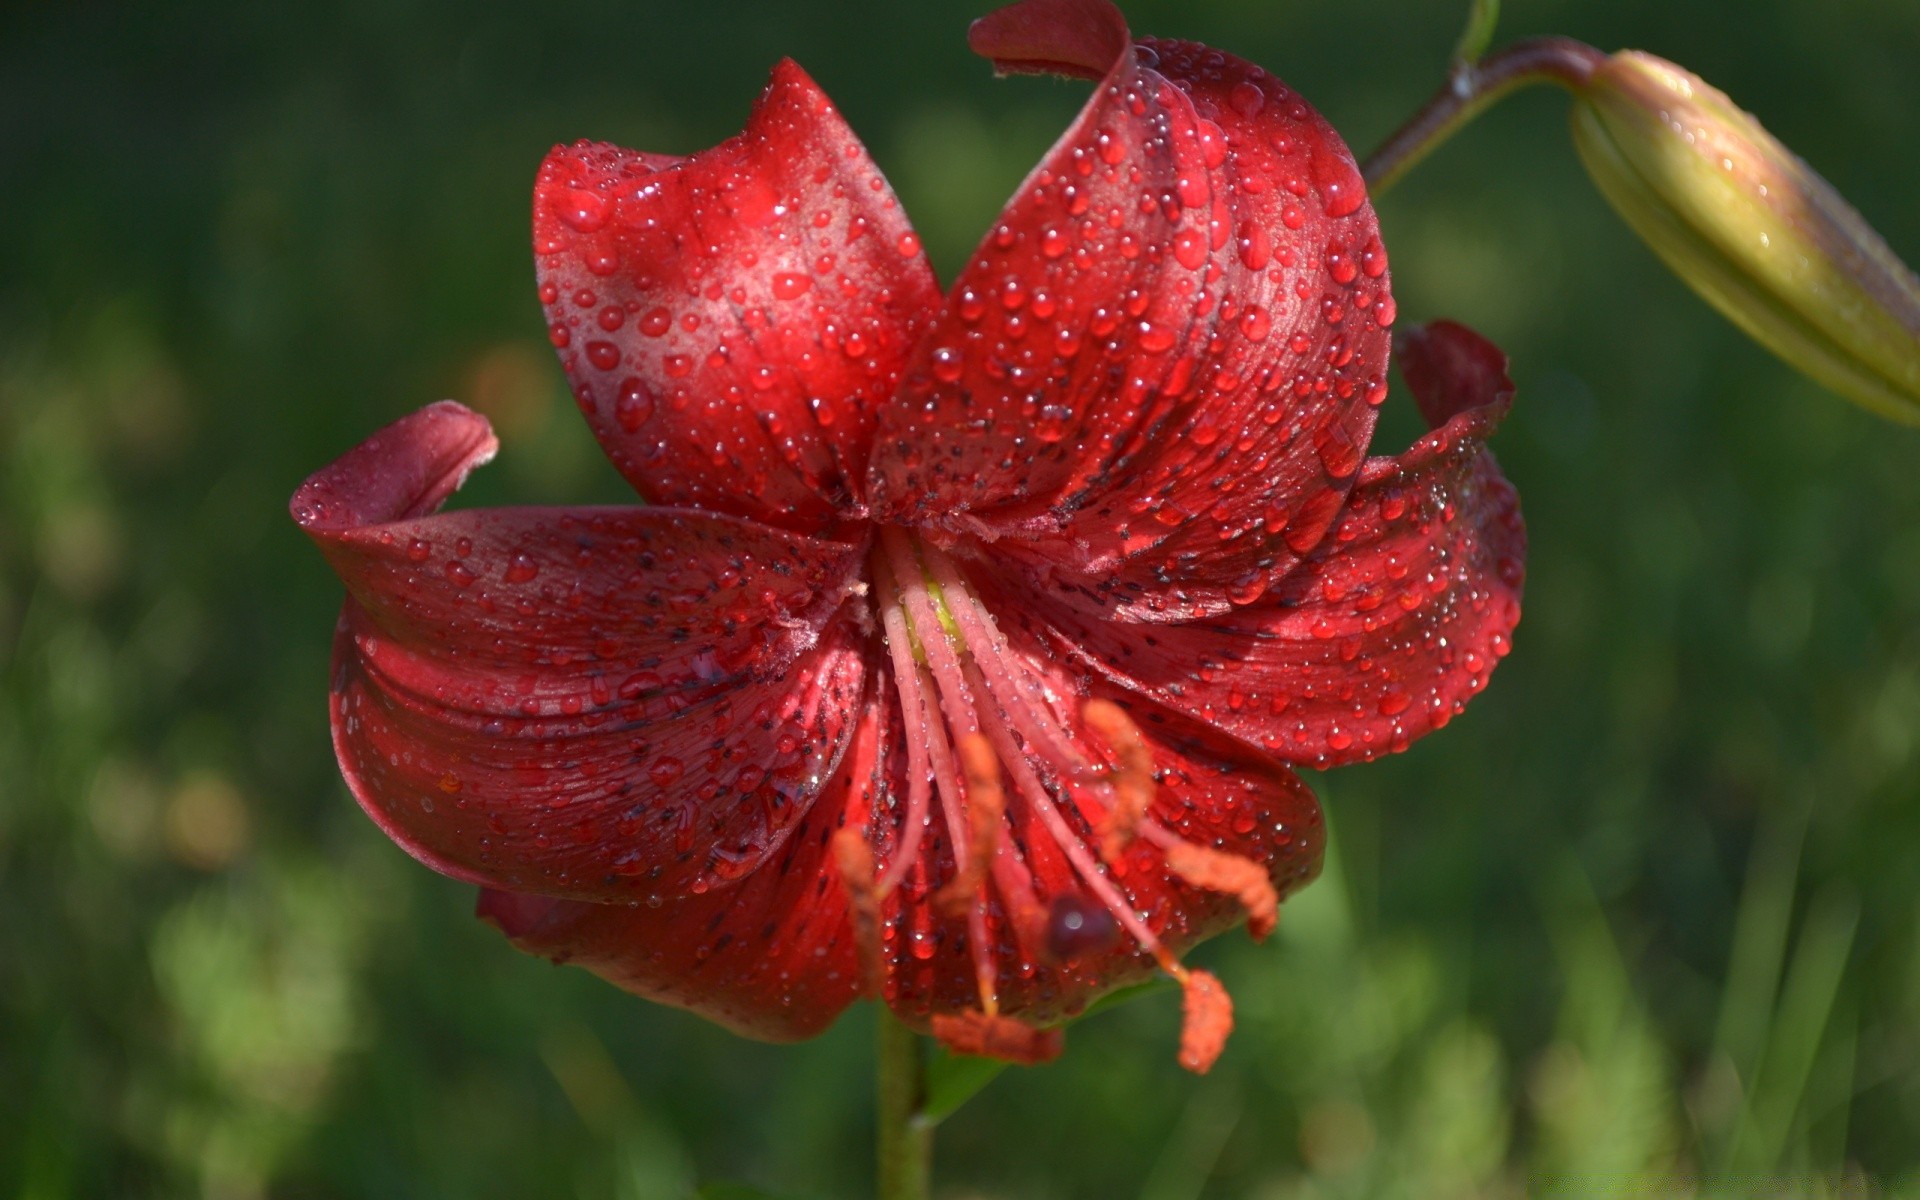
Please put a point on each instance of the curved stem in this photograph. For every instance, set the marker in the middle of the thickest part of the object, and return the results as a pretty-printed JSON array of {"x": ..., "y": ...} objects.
[
  {"x": 905, "y": 1139},
  {"x": 1472, "y": 88}
]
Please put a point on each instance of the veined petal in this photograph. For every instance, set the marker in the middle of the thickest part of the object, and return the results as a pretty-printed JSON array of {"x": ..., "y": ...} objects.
[
  {"x": 1393, "y": 622},
  {"x": 732, "y": 321},
  {"x": 594, "y": 703},
  {"x": 1165, "y": 356},
  {"x": 772, "y": 957}
]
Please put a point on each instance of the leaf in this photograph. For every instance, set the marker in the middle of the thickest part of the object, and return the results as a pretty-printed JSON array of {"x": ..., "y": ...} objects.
[
  {"x": 1115, "y": 999},
  {"x": 954, "y": 1079}
]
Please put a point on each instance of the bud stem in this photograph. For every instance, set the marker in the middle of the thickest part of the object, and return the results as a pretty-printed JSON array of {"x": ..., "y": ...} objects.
[{"x": 1472, "y": 88}]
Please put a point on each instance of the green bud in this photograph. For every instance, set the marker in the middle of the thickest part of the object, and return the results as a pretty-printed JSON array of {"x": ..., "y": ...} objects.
[{"x": 1753, "y": 229}]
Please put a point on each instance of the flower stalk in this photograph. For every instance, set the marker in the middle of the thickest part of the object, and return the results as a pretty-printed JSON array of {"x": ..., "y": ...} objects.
[
  {"x": 1472, "y": 87},
  {"x": 905, "y": 1137}
]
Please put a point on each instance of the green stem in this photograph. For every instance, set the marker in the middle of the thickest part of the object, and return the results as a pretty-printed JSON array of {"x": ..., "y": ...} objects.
[
  {"x": 906, "y": 1139},
  {"x": 1471, "y": 89}
]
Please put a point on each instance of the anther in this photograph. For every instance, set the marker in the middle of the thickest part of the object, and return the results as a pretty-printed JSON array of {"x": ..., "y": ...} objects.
[
  {"x": 1207, "y": 1019},
  {"x": 854, "y": 858},
  {"x": 986, "y": 804},
  {"x": 1233, "y": 875},
  {"x": 1005, "y": 1038},
  {"x": 1131, "y": 777}
]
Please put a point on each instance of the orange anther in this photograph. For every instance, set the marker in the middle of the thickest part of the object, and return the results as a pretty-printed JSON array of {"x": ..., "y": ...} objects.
[
  {"x": 1132, "y": 774},
  {"x": 998, "y": 1037},
  {"x": 1242, "y": 878},
  {"x": 854, "y": 858},
  {"x": 1207, "y": 1020},
  {"x": 986, "y": 803}
]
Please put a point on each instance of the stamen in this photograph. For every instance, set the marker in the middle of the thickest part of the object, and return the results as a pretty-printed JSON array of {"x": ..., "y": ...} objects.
[
  {"x": 1132, "y": 775},
  {"x": 854, "y": 858},
  {"x": 906, "y": 676},
  {"x": 997, "y": 1037},
  {"x": 1231, "y": 874},
  {"x": 1207, "y": 1019},
  {"x": 1035, "y": 793},
  {"x": 986, "y": 804},
  {"x": 915, "y": 611},
  {"x": 989, "y": 650},
  {"x": 984, "y": 715}
]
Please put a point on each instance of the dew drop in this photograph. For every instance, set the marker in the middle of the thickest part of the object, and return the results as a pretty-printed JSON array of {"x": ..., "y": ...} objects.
[
  {"x": 664, "y": 770},
  {"x": 1190, "y": 249},
  {"x": 1255, "y": 324},
  {"x": 604, "y": 355},
  {"x": 584, "y": 210},
  {"x": 1155, "y": 339},
  {"x": 633, "y": 405},
  {"x": 790, "y": 285},
  {"x": 1337, "y": 179},
  {"x": 947, "y": 364},
  {"x": 1052, "y": 425}
]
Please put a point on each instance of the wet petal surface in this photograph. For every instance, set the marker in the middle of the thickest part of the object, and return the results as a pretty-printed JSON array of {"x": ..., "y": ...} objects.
[
  {"x": 1161, "y": 366},
  {"x": 731, "y": 322},
  {"x": 772, "y": 957},
  {"x": 1393, "y": 622},
  {"x": 597, "y": 703}
]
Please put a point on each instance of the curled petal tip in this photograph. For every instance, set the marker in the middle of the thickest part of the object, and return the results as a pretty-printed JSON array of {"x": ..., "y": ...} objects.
[
  {"x": 1450, "y": 369},
  {"x": 406, "y": 470},
  {"x": 1753, "y": 229},
  {"x": 1055, "y": 37}
]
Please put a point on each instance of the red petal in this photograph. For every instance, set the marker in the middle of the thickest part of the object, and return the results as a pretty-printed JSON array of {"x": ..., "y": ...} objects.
[
  {"x": 596, "y": 703},
  {"x": 732, "y": 320},
  {"x": 1394, "y": 621},
  {"x": 1168, "y": 350},
  {"x": 772, "y": 957}
]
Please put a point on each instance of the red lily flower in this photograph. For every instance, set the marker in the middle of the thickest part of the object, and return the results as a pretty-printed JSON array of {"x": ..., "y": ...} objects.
[{"x": 962, "y": 651}]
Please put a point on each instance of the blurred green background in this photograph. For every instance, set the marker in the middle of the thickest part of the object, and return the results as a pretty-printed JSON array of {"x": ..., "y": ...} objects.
[{"x": 1645, "y": 919}]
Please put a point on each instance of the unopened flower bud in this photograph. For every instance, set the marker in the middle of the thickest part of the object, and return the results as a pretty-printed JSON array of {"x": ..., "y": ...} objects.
[{"x": 1753, "y": 229}]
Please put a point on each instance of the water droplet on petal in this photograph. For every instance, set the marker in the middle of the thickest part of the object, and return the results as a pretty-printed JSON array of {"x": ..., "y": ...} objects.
[
  {"x": 604, "y": 355},
  {"x": 790, "y": 285},
  {"x": 633, "y": 405},
  {"x": 584, "y": 210}
]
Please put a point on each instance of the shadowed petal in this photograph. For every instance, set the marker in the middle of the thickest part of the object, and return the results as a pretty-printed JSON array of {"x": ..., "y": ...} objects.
[
  {"x": 596, "y": 703},
  {"x": 731, "y": 321},
  {"x": 772, "y": 957},
  {"x": 1163, "y": 360},
  {"x": 1392, "y": 623}
]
